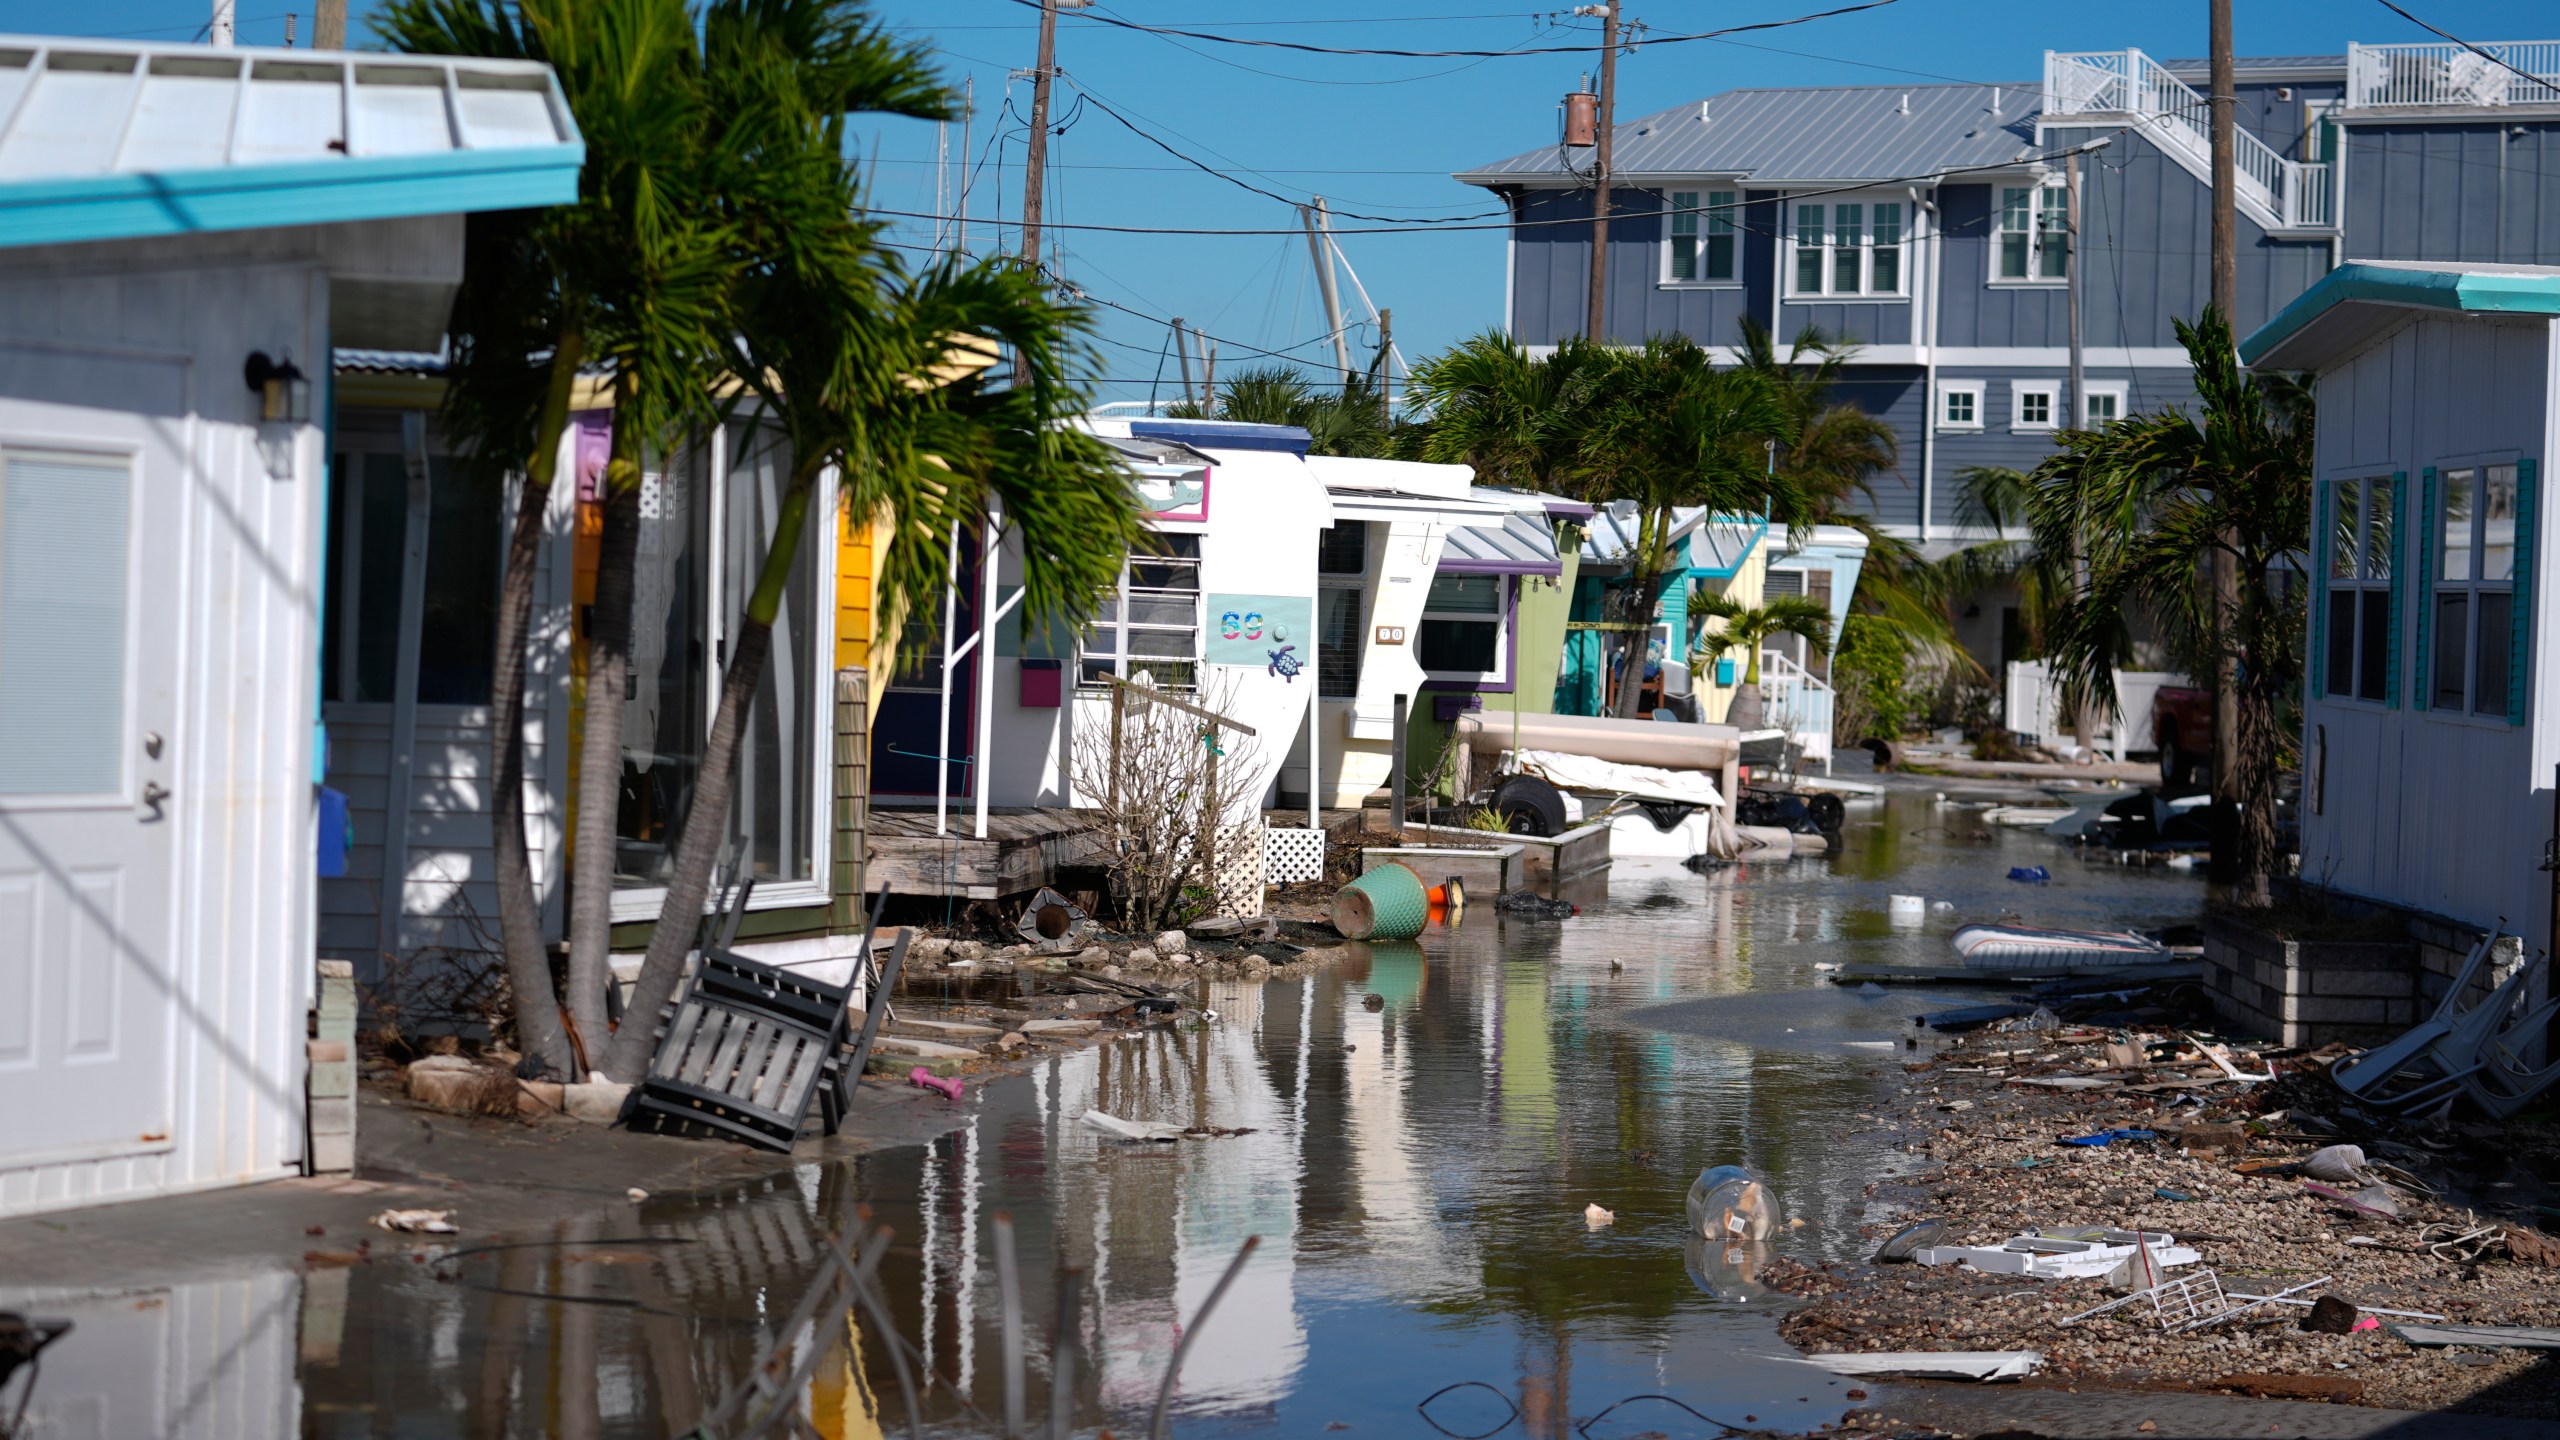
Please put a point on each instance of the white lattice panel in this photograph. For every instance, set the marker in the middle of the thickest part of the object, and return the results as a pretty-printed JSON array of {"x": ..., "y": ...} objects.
[
  {"x": 1292, "y": 856},
  {"x": 1240, "y": 872}
]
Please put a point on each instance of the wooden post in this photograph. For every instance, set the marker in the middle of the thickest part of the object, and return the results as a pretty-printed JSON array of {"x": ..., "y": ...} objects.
[
  {"x": 1210, "y": 818},
  {"x": 848, "y": 869},
  {"x": 1395, "y": 817},
  {"x": 1119, "y": 712}
]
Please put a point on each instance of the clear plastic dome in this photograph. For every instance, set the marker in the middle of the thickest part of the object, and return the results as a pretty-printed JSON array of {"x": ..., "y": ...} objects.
[{"x": 1727, "y": 1204}]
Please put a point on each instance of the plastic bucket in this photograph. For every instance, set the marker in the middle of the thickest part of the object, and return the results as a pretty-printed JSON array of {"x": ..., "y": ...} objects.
[
  {"x": 1907, "y": 909},
  {"x": 1388, "y": 903}
]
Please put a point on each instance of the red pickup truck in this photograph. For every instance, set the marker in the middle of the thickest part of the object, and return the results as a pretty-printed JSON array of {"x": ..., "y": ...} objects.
[{"x": 2182, "y": 727}]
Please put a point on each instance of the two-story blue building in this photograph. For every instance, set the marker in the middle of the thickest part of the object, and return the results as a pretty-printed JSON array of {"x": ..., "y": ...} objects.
[{"x": 1926, "y": 223}]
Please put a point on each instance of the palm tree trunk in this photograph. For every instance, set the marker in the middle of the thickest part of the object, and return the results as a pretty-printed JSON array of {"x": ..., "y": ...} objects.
[
  {"x": 706, "y": 820},
  {"x": 608, "y": 647},
  {"x": 1641, "y": 598},
  {"x": 538, "y": 1030}
]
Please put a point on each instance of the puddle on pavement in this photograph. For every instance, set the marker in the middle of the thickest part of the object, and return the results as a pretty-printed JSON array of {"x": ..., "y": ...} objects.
[{"x": 1417, "y": 1173}]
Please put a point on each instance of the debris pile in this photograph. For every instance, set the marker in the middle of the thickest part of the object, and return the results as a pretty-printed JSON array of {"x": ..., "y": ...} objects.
[{"x": 2269, "y": 1235}]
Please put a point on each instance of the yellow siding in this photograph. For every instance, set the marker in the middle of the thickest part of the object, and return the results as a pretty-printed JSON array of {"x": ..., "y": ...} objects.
[{"x": 854, "y": 598}]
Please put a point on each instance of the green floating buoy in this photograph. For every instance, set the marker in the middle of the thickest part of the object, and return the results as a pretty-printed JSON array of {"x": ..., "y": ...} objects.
[{"x": 1388, "y": 903}]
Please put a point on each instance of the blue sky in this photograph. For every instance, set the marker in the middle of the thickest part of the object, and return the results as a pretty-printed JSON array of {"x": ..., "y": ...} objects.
[{"x": 1373, "y": 134}]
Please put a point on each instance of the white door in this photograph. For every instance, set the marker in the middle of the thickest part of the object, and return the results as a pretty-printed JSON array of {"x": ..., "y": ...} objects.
[{"x": 91, "y": 611}]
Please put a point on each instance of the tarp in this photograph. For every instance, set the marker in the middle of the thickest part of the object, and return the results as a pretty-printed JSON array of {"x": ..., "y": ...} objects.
[{"x": 1645, "y": 782}]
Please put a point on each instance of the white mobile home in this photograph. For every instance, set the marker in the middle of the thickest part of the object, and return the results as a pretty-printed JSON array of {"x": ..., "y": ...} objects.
[
  {"x": 188, "y": 232},
  {"x": 1292, "y": 588},
  {"x": 2428, "y": 747}
]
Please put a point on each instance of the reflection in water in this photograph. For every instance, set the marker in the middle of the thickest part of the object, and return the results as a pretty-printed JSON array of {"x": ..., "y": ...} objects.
[{"x": 1416, "y": 1174}]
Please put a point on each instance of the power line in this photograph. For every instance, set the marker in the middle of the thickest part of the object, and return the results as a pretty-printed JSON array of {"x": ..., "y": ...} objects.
[
  {"x": 1308, "y": 49},
  {"x": 1207, "y": 169},
  {"x": 2498, "y": 60},
  {"x": 1544, "y": 30}
]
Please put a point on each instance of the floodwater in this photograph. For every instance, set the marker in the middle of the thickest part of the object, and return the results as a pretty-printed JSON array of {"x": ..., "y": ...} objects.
[{"x": 1427, "y": 1124}]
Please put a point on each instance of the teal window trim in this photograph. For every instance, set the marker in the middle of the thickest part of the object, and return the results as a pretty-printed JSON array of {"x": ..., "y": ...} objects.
[
  {"x": 2426, "y": 541},
  {"x": 2399, "y": 567},
  {"x": 2323, "y": 556},
  {"x": 2520, "y": 622}
]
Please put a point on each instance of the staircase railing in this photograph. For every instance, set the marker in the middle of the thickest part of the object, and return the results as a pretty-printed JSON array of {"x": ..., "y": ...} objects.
[
  {"x": 2381, "y": 77},
  {"x": 2282, "y": 194},
  {"x": 1797, "y": 701}
]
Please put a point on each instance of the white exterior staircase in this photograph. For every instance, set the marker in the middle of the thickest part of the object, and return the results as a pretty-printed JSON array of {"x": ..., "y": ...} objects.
[{"x": 2279, "y": 194}]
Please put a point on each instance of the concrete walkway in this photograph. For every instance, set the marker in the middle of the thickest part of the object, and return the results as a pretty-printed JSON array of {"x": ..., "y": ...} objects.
[
  {"x": 2121, "y": 1414},
  {"x": 495, "y": 1175}
]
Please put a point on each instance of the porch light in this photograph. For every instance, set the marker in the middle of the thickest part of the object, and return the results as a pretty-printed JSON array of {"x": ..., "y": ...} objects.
[{"x": 284, "y": 402}]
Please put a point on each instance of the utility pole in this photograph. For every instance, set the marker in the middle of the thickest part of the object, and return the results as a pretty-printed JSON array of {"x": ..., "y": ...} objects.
[
  {"x": 1208, "y": 378},
  {"x": 1386, "y": 365},
  {"x": 1319, "y": 231},
  {"x": 968, "y": 114},
  {"x": 1182, "y": 349},
  {"x": 1608, "y": 15},
  {"x": 2084, "y": 716},
  {"x": 2226, "y": 573},
  {"x": 329, "y": 26},
  {"x": 1035, "y": 159},
  {"x": 220, "y": 28}
]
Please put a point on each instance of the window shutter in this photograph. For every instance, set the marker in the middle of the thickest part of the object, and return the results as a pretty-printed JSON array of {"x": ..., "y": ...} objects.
[
  {"x": 2324, "y": 537},
  {"x": 2399, "y": 568},
  {"x": 2520, "y": 623},
  {"x": 2425, "y": 537}
]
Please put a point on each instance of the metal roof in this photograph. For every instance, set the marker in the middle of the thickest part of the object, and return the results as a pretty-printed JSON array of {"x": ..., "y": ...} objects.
[
  {"x": 1525, "y": 545},
  {"x": 104, "y": 139},
  {"x": 1718, "y": 544},
  {"x": 1812, "y": 133},
  {"x": 1224, "y": 434}
]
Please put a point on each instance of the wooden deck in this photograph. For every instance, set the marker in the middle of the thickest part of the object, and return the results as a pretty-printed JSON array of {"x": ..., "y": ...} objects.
[{"x": 1025, "y": 849}]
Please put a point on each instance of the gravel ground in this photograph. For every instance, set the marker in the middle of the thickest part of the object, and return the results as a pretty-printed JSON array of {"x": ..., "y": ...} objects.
[{"x": 2000, "y": 1172}]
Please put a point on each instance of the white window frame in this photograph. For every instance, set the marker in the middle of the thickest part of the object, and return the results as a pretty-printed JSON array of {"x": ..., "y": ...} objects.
[
  {"x": 1718, "y": 207},
  {"x": 2048, "y": 202},
  {"x": 2111, "y": 389},
  {"x": 1971, "y": 389},
  {"x": 1864, "y": 204},
  {"x": 2475, "y": 471},
  {"x": 1118, "y": 653},
  {"x": 2019, "y": 390},
  {"x": 1500, "y": 674}
]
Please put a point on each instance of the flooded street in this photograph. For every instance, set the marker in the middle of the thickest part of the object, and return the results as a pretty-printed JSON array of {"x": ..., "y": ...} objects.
[{"x": 1428, "y": 1122}]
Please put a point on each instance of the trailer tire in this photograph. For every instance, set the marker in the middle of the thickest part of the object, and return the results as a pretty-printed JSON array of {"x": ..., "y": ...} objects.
[{"x": 1529, "y": 806}]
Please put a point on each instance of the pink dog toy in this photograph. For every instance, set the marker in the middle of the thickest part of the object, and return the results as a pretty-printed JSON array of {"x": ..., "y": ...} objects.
[{"x": 923, "y": 1079}]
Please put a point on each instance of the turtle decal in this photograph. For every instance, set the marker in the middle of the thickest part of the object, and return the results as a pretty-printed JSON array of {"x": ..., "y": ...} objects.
[{"x": 1286, "y": 664}]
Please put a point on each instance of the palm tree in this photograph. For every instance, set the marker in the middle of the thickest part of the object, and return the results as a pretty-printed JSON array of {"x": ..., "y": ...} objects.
[
  {"x": 1519, "y": 421},
  {"x": 1351, "y": 421},
  {"x": 850, "y": 357},
  {"x": 2145, "y": 503},
  {"x": 1833, "y": 448},
  {"x": 545, "y": 293},
  {"x": 1672, "y": 432},
  {"x": 1747, "y": 628}
]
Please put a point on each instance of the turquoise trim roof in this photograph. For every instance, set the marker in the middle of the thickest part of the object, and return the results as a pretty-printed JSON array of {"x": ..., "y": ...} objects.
[
  {"x": 311, "y": 192},
  {"x": 2476, "y": 289}
]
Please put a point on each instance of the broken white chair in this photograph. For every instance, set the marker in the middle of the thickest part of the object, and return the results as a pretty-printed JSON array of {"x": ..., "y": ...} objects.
[
  {"x": 2502, "y": 1083},
  {"x": 2462, "y": 1053},
  {"x": 2358, "y": 1074}
]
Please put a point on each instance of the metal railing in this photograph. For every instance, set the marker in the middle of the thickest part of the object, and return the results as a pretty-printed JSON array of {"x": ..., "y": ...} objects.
[
  {"x": 1797, "y": 701},
  {"x": 2433, "y": 73},
  {"x": 2284, "y": 194}
]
